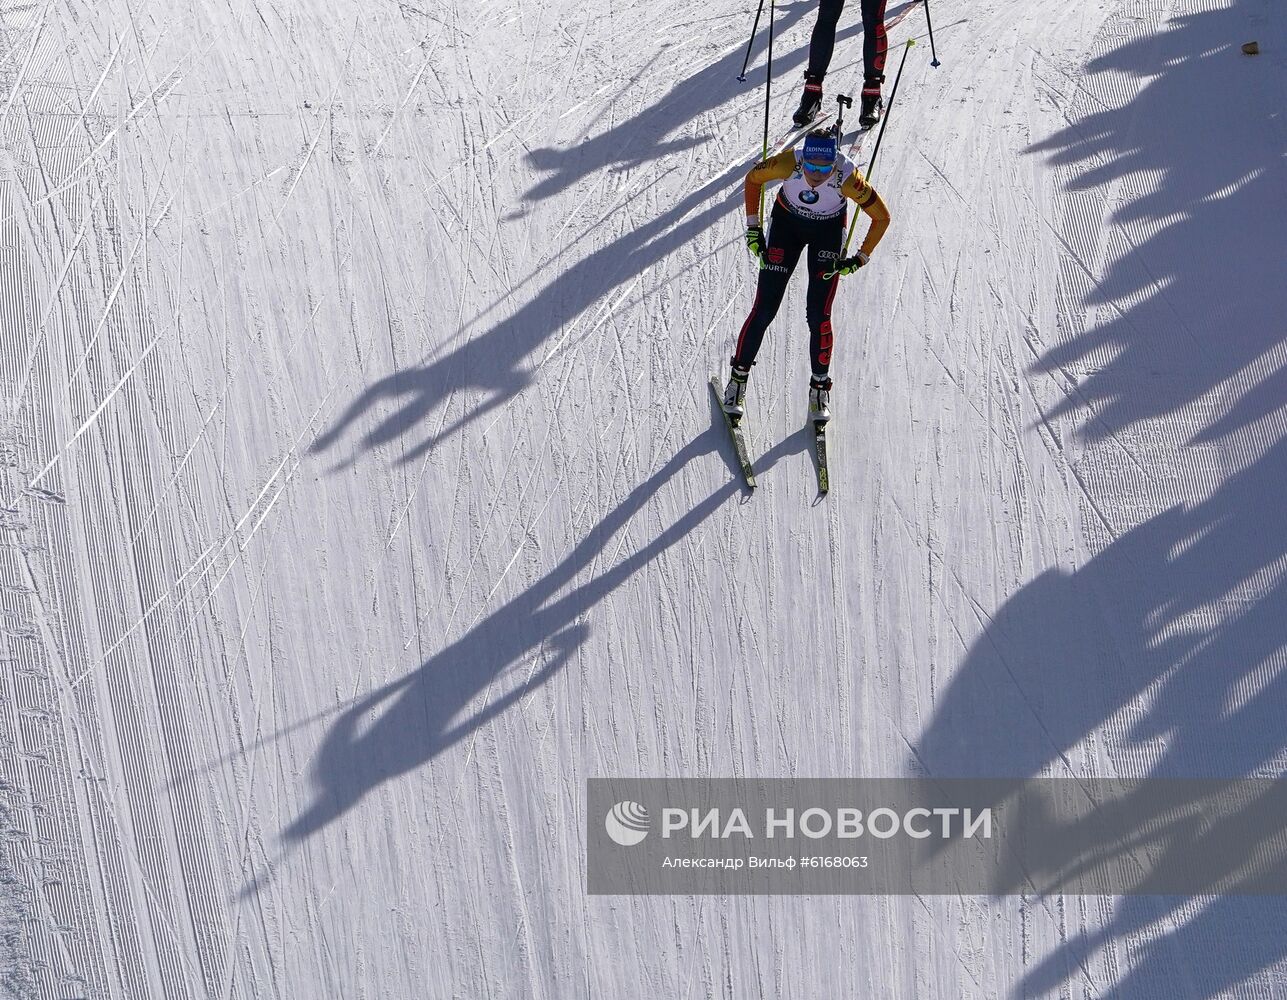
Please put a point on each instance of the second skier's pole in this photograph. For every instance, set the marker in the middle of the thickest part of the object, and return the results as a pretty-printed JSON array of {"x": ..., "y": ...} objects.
[
  {"x": 893, "y": 95},
  {"x": 933, "y": 52},
  {"x": 741, "y": 77}
]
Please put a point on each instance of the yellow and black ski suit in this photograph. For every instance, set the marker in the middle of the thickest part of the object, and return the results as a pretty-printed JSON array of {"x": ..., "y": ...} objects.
[{"x": 804, "y": 216}]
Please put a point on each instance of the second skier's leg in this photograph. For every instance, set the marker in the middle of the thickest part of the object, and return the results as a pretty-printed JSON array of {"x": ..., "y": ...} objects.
[
  {"x": 810, "y": 103},
  {"x": 823, "y": 40},
  {"x": 821, "y": 44},
  {"x": 874, "y": 46}
]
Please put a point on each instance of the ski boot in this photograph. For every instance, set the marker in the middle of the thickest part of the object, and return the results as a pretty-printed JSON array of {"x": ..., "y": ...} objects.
[
  {"x": 872, "y": 103},
  {"x": 735, "y": 394},
  {"x": 819, "y": 399},
  {"x": 810, "y": 102}
]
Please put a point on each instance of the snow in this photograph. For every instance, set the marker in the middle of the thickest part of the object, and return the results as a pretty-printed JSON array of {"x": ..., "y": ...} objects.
[{"x": 363, "y": 494}]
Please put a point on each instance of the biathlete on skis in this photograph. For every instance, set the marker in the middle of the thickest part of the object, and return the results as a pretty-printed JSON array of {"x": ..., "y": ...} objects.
[
  {"x": 808, "y": 212},
  {"x": 821, "y": 44}
]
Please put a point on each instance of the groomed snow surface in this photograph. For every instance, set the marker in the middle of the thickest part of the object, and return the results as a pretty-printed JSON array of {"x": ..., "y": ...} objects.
[{"x": 363, "y": 493}]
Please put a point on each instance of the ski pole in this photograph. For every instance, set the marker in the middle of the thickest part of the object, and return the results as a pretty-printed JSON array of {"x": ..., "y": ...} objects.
[
  {"x": 768, "y": 90},
  {"x": 741, "y": 77},
  {"x": 933, "y": 52},
  {"x": 893, "y": 96},
  {"x": 768, "y": 78},
  {"x": 871, "y": 167}
]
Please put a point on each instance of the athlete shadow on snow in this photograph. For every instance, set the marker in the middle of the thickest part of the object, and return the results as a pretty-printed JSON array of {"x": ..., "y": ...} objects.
[
  {"x": 1184, "y": 311},
  {"x": 646, "y": 136},
  {"x": 495, "y": 361},
  {"x": 498, "y": 362},
  {"x": 425, "y": 712},
  {"x": 707, "y": 90}
]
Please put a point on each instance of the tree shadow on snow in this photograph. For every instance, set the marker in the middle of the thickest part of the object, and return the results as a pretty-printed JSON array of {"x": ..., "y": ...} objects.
[
  {"x": 451, "y": 695},
  {"x": 1183, "y": 618}
]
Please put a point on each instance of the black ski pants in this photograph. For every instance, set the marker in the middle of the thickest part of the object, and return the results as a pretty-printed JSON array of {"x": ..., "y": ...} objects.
[
  {"x": 789, "y": 236},
  {"x": 823, "y": 40}
]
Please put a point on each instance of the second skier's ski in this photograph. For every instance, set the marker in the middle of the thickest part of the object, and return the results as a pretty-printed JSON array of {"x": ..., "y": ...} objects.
[{"x": 789, "y": 140}]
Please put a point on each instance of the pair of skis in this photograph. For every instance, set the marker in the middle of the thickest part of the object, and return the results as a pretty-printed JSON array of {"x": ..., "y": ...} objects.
[{"x": 738, "y": 433}]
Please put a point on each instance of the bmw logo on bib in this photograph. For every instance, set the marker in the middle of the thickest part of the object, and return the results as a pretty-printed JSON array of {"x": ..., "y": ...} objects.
[{"x": 809, "y": 196}]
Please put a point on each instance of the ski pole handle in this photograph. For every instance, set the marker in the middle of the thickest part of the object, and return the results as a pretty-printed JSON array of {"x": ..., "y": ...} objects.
[
  {"x": 844, "y": 102},
  {"x": 847, "y": 265}
]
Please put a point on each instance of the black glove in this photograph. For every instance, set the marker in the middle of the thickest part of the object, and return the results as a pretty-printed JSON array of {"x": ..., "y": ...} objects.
[{"x": 755, "y": 242}]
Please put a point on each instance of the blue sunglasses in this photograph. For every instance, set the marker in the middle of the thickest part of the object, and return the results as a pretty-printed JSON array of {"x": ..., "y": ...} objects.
[{"x": 817, "y": 168}]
